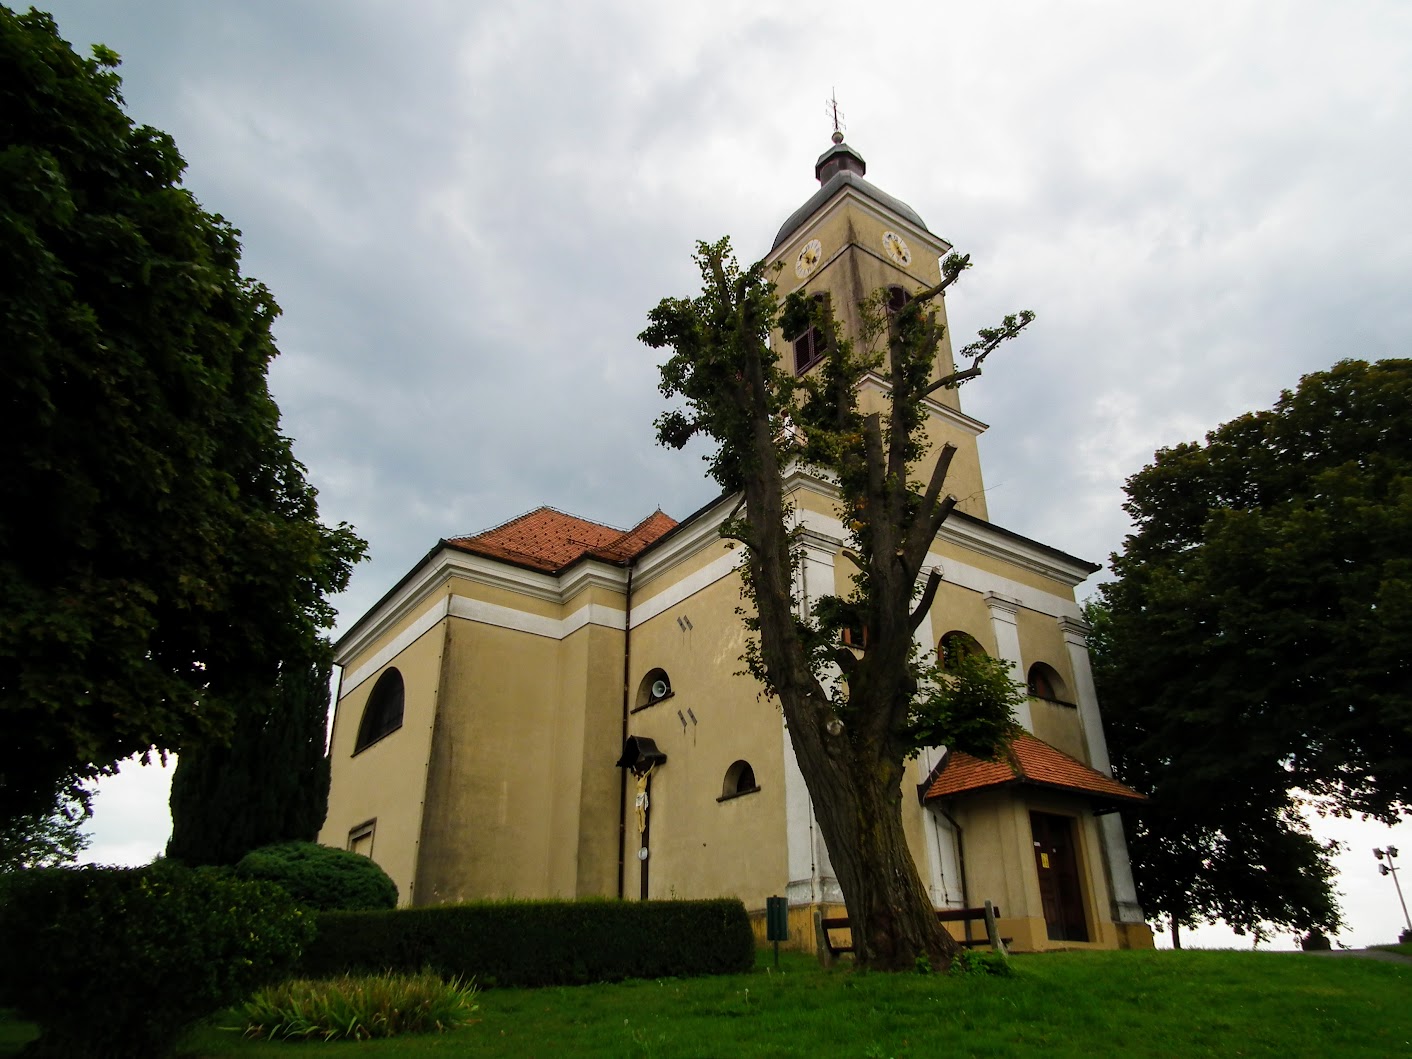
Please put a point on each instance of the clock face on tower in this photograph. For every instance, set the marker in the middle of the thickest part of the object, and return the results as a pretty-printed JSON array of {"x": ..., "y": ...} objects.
[
  {"x": 808, "y": 258},
  {"x": 896, "y": 248}
]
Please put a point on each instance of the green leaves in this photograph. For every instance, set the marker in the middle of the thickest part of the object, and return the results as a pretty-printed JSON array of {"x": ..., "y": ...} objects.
[
  {"x": 160, "y": 549},
  {"x": 1256, "y": 637}
]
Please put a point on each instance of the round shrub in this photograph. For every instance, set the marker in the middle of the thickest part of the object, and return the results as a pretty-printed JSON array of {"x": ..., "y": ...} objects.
[
  {"x": 320, "y": 877},
  {"x": 121, "y": 962}
]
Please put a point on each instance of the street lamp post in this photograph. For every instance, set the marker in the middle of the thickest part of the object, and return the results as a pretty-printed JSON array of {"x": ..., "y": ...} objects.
[{"x": 1390, "y": 868}]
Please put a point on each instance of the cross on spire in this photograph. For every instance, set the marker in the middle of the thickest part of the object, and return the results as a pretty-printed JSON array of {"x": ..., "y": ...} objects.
[{"x": 831, "y": 108}]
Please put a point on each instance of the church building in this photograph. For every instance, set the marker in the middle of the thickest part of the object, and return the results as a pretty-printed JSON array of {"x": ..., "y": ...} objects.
[{"x": 555, "y": 708}]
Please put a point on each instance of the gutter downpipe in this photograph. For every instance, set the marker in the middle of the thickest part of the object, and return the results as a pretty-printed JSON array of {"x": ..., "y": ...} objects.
[{"x": 623, "y": 773}]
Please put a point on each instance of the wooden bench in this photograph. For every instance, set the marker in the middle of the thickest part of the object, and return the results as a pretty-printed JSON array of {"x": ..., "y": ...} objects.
[{"x": 986, "y": 914}]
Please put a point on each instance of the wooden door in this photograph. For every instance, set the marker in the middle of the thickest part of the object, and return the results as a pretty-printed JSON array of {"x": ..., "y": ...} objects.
[{"x": 1060, "y": 889}]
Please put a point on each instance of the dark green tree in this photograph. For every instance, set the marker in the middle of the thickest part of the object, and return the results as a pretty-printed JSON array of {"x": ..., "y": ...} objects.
[
  {"x": 269, "y": 784},
  {"x": 852, "y": 735},
  {"x": 160, "y": 550},
  {"x": 1208, "y": 846},
  {"x": 1256, "y": 646}
]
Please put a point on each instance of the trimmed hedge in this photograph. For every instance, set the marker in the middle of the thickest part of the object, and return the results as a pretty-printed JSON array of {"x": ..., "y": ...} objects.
[
  {"x": 120, "y": 962},
  {"x": 537, "y": 943},
  {"x": 321, "y": 877}
]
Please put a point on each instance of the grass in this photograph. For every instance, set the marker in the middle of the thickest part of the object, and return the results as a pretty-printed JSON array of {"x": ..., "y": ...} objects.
[
  {"x": 1190, "y": 1003},
  {"x": 1403, "y": 948}
]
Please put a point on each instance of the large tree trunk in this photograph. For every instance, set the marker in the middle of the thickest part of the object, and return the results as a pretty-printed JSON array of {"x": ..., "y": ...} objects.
[
  {"x": 854, "y": 774},
  {"x": 859, "y": 808}
]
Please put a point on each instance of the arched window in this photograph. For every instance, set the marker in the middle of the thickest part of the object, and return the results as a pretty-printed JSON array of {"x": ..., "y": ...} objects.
[
  {"x": 897, "y": 299},
  {"x": 383, "y": 713},
  {"x": 810, "y": 347},
  {"x": 1046, "y": 683},
  {"x": 740, "y": 779},
  {"x": 955, "y": 645},
  {"x": 655, "y": 687}
]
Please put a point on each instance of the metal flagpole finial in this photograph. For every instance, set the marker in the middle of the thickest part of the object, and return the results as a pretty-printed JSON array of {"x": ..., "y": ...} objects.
[{"x": 831, "y": 108}]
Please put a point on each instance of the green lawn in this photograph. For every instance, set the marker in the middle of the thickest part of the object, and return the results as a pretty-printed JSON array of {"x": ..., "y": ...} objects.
[{"x": 1087, "y": 1004}]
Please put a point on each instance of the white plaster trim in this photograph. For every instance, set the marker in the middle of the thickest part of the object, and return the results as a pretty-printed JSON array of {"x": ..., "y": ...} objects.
[
  {"x": 592, "y": 573},
  {"x": 522, "y": 621},
  {"x": 963, "y": 574},
  {"x": 408, "y": 636},
  {"x": 689, "y": 540},
  {"x": 488, "y": 614},
  {"x": 983, "y": 539},
  {"x": 722, "y": 566},
  {"x": 429, "y": 578},
  {"x": 955, "y": 417}
]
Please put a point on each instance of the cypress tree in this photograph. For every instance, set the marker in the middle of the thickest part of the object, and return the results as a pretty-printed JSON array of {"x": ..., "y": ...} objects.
[{"x": 270, "y": 784}]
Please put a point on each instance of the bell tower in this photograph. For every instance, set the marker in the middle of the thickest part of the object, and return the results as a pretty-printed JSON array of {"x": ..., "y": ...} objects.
[{"x": 849, "y": 240}]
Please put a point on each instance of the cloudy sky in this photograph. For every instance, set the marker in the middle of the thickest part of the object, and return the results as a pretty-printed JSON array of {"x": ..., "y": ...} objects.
[{"x": 466, "y": 210}]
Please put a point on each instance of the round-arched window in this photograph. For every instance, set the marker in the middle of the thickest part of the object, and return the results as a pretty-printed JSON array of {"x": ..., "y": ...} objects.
[
  {"x": 1045, "y": 683},
  {"x": 956, "y": 645},
  {"x": 383, "y": 713},
  {"x": 740, "y": 779},
  {"x": 655, "y": 687}
]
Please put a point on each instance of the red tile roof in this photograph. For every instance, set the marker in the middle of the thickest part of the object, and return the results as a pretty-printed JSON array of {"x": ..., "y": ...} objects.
[
  {"x": 550, "y": 540},
  {"x": 1027, "y": 760}
]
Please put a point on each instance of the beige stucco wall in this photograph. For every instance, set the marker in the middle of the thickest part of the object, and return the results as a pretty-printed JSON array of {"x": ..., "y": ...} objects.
[
  {"x": 385, "y": 782},
  {"x": 853, "y": 268},
  {"x": 492, "y": 820},
  {"x": 699, "y": 846},
  {"x": 999, "y": 855}
]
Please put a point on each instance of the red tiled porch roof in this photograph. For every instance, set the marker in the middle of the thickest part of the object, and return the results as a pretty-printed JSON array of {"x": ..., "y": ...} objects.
[
  {"x": 1028, "y": 760},
  {"x": 550, "y": 540}
]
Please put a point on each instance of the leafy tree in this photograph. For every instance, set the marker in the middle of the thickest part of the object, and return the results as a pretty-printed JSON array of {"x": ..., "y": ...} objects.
[
  {"x": 160, "y": 549},
  {"x": 1256, "y": 645},
  {"x": 269, "y": 784},
  {"x": 50, "y": 838},
  {"x": 1208, "y": 847},
  {"x": 853, "y": 721}
]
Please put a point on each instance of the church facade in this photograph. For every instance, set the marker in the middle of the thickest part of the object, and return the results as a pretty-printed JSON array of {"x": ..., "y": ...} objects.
[{"x": 555, "y": 708}]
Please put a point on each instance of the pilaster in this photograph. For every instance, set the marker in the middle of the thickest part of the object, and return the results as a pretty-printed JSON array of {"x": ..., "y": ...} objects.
[
  {"x": 1004, "y": 624},
  {"x": 1115, "y": 845}
]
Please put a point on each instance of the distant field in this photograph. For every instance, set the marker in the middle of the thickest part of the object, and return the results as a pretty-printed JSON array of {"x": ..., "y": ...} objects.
[{"x": 1190, "y": 1003}]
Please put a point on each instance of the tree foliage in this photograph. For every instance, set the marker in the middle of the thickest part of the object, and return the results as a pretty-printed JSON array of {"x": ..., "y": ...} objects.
[
  {"x": 853, "y": 718},
  {"x": 160, "y": 549},
  {"x": 1255, "y": 645},
  {"x": 120, "y": 963},
  {"x": 321, "y": 877},
  {"x": 269, "y": 784},
  {"x": 49, "y": 838}
]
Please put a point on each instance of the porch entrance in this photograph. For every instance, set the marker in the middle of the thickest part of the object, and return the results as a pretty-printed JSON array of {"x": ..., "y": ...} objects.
[{"x": 1059, "y": 887}]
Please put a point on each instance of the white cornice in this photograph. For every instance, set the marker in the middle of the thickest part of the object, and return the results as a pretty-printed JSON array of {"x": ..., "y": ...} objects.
[
  {"x": 966, "y": 424},
  {"x": 479, "y": 610},
  {"x": 591, "y": 573},
  {"x": 990, "y": 541},
  {"x": 439, "y": 567},
  {"x": 701, "y": 531}
]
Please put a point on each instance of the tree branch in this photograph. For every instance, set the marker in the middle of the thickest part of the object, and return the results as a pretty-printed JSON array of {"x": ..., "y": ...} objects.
[
  {"x": 990, "y": 339},
  {"x": 956, "y": 378},
  {"x": 920, "y": 539},
  {"x": 846, "y": 660},
  {"x": 924, "y": 604}
]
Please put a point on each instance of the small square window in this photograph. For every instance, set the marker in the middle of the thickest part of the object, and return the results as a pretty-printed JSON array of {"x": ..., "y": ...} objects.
[{"x": 360, "y": 839}]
